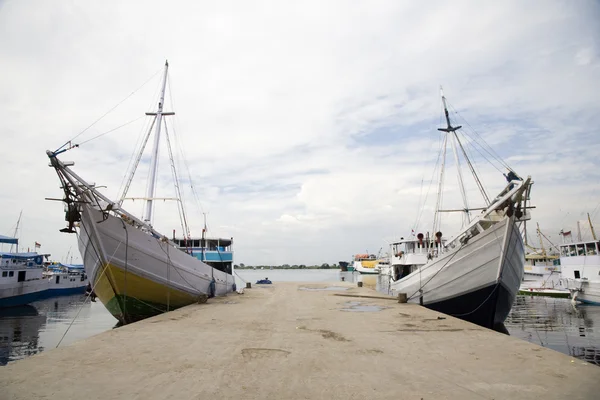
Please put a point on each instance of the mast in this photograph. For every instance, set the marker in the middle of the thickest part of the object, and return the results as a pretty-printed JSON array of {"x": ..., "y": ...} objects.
[
  {"x": 437, "y": 217},
  {"x": 154, "y": 159},
  {"x": 17, "y": 229},
  {"x": 541, "y": 241},
  {"x": 591, "y": 227},
  {"x": 203, "y": 241},
  {"x": 452, "y": 129}
]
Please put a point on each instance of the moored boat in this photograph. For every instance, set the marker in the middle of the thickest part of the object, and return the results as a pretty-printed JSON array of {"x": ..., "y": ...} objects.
[
  {"x": 21, "y": 277},
  {"x": 474, "y": 274},
  {"x": 343, "y": 266},
  {"x": 135, "y": 270},
  {"x": 65, "y": 279},
  {"x": 366, "y": 264},
  {"x": 580, "y": 267}
]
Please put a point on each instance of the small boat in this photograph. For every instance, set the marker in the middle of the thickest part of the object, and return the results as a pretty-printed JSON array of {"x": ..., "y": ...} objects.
[
  {"x": 21, "y": 276},
  {"x": 474, "y": 274},
  {"x": 384, "y": 266},
  {"x": 343, "y": 265},
  {"x": 542, "y": 275},
  {"x": 65, "y": 279},
  {"x": 539, "y": 265},
  {"x": 135, "y": 270},
  {"x": 580, "y": 266},
  {"x": 366, "y": 264}
]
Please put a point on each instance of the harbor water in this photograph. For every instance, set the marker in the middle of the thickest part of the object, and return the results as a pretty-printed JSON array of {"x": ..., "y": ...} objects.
[{"x": 549, "y": 322}]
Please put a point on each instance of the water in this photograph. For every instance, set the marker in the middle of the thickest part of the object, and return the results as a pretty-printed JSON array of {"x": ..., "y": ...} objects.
[
  {"x": 33, "y": 328},
  {"x": 548, "y": 322}
]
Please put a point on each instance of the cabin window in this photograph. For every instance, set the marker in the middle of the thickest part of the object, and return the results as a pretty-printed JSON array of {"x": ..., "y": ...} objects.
[
  {"x": 22, "y": 276},
  {"x": 11, "y": 273},
  {"x": 590, "y": 249},
  {"x": 572, "y": 252},
  {"x": 4, "y": 274},
  {"x": 580, "y": 250},
  {"x": 564, "y": 252},
  {"x": 577, "y": 276},
  {"x": 410, "y": 247}
]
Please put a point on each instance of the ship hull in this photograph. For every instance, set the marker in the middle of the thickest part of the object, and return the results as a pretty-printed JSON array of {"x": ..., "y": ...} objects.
[
  {"x": 137, "y": 275},
  {"x": 477, "y": 282}
]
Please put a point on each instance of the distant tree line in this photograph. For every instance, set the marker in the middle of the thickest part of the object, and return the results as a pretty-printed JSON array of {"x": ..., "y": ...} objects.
[{"x": 286, "y": 266}]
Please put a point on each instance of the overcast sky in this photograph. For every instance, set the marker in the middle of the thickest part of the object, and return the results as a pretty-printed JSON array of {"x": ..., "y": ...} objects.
[{"x": 309, "y": 128}]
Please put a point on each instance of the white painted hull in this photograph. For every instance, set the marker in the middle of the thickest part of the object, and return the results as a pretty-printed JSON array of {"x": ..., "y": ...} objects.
[
  {"x": 367, "y": 271},
  {"x": 488, "y": 266},
  {"x": 66, "y": 283},
  {"x": 584, "y": 291},
  {"x": 581, "y": 275},
  {"x": 19, "y": 293}
]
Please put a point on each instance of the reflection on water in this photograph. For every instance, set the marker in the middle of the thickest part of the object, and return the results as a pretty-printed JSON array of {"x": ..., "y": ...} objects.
[
  {"x": 558, "y": 325},
  {"x": 550, "y": 322},
  {"x": 30, "y": 329}
]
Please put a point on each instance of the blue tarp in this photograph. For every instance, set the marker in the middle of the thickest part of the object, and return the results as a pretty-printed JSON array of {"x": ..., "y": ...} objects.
[
  {"x": 263, "y": 282},
  {"x": 23, "y": 256},
  {"x": 7, "y": 239}
]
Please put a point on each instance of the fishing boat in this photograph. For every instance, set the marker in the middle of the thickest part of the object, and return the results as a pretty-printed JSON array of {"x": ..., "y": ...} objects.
[
  {"x": 365, "y": 264},
  {"x": 135, "y": 270},
  {"x": 542, "y": 276},
  {"x": 384, "y": 266},
  {"x": 580, "y": 263},
  {"x": 65, "y": 279},
  {"x": 474, "y": 274},
  {"x": 343, "y": 265},
  {"x": 21, "y": 276}
]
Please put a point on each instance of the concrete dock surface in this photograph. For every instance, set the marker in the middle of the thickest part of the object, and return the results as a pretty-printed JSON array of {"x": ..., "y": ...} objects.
[{"x": 301, "y": 341}]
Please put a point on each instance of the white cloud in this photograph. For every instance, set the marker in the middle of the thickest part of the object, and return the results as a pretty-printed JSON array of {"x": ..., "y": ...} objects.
[{"x": 308, "y": 127}]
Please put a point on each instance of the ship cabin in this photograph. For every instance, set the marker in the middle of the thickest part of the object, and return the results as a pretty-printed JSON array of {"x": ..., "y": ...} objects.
[
  {"x": 21, "y": 267},
  {"x": 216, "y": 252},
  {"x": 409, "y": 254},
  {"x": 580, "y": 259}
]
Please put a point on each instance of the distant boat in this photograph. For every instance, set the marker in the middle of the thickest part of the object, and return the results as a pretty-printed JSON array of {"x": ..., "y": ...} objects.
[
  {"x": 343, "y": 266},
  {"x": 476, "y": 273},
  {"x": 542, "y": 276},
  {"x": 580, "y": 267},
  {"x": 136, "y": 271},
  {"x": 21, "y": 276},
  {"x": 65, "y": 279},
  {"x": 366, "y": 264}
]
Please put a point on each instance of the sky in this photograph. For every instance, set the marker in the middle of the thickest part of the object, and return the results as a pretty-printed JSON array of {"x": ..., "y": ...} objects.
[{"x": 307, "y": 130}]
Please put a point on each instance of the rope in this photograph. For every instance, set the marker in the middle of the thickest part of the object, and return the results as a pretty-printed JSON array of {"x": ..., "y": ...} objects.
[
  {"x": 109, "y": 111},
  {"x": 93, "y": 287},
  {"x": 480, "y": 305},
  {"x": 112, "y": 130},
  {"x": 495, "y": 288},
  {"x": 492, "y": 153},
  {"x": 438, "y": 271}
]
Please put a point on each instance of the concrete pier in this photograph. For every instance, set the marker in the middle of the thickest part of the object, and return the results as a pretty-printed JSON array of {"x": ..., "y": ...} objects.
[{"x": 301, "y": 341}]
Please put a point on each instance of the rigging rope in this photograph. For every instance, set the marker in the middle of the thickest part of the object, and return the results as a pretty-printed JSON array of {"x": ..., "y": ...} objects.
[
  {"x": 491, "y": 151},
  {"x": 98, "y": 259},
  {"x": 109, "y": 111},
  {"x": 112, "y": 130}
]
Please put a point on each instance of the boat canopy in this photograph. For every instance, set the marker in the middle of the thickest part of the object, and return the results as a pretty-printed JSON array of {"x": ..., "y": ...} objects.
[
  {"x": 8, "y": 239},
  {"x": 22, "y": 256},
  {"x": 67, "y": 266}
]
